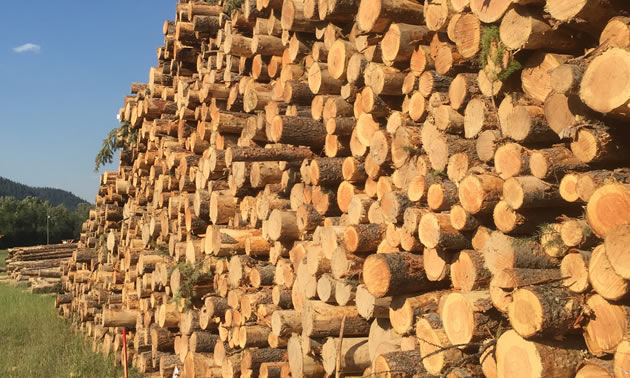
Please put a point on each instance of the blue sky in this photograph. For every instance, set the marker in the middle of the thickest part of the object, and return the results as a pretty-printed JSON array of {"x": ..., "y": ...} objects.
[{"x": 65, "y": 67}]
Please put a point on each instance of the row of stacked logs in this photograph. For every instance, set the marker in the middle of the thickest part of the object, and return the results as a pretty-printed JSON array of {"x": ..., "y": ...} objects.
[
  {"x": 38, "y": 267},
  {"x": 370, "y": 186}
]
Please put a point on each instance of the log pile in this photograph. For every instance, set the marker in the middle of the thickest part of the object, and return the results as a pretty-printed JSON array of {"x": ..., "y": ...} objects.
[
  {"x": 370, "y": 186},
  {"x": 38, "y": 267}
]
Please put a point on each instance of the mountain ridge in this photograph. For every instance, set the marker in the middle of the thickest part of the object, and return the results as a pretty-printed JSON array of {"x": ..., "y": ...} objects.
[{"x": 10, "y": 188}]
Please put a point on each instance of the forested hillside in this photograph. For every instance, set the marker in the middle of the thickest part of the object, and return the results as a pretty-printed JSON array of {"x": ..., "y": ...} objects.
[
  {"x": 56, "y": 197},
  {"x": 24, "y": 211}
]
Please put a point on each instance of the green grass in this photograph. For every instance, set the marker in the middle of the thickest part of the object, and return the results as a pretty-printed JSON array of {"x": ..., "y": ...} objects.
[{"x": 35, "y": 342}]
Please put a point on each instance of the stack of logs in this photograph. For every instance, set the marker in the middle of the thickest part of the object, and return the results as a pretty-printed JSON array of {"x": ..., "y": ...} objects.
[
  {"x": 370, "y": 186},
  {"x": 38, "y": 267}
]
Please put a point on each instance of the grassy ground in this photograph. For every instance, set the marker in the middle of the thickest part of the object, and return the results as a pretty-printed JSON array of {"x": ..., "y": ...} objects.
[{"x": 35, "y": 342}]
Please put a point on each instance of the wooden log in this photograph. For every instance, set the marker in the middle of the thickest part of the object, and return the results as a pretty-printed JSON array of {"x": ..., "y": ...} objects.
[
  {"x": 363, "y": 237},
  {"x": 616, "y": 250},
  {"x": 529, "y": 191},
  {"x": 595, "y": 367},
  {"x": 535, "y": 77},
  {"x": 574, "y": 269},
  {"x": 468, "y": 272},
  {"x": 552, "y": 161},
  {"x": 595, "y": 15},
  {"x": 604, "y": 278},
  {"x": 527, "y": 124},
  {"x": 251, "y": 154},
  {"x": 544, "y": 310},
  {"x": 405, "y": 142},
  {"x": 345, "y": 264},
  {"x": 321, "y": 82},
  {"x": 355, "y": 356},
  {"x": 201, "y": 341},
  {"x": 504, "y": 252},
  {"x": 435, "y": 230},
  {"x": 443, "y": 146},
  {"x": 616, "y": 33},
  {"x": 562, "y": 111},
  {"x": 434, "y": 344},
  {"x": 620, "y": 361},
  {"x": 405, "y": 364},
  {"x": 593, "y": 82},
  {"x": 301, "y": 362},
  {"x": 398, "y": 42},
  {"x": 504, "y": 282},
  {"x": 393, "y": 205},
  {"x": 222, "y": 207},
  {"x": 298, "y": 131},
  {"x": 597, "y": 145},
  {"x": 119, "y": 318},
  {"x": 523, "y": 29},
  {"x": 282, "y": 225},
  {"x": 400, "y": 273},
  {"x": 609, "y": 316},
  {"x": 511, "y": 159},
  {"x": 405, "y": 310},
  {"x": 254, "y": 358},
  {"x": 466, "y": 317},
  {"x": 536, "y": 359},
  {"x": 588, "y": 182},
  {"x": 608, "y": 208},
  {"x": 480, "y": 193},
  {"x": 375, "y": 17},
  {"x": 384, "y": 80},
  {"x": 285, "y": 322},
  {"x": 487, "y": 143}
]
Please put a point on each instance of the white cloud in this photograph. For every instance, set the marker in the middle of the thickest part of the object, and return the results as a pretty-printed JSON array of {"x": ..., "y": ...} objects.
[{"x": 27, "y": 47}]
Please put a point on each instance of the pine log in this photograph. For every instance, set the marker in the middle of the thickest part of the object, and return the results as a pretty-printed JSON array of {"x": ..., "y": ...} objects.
[
  {"x": 355, "y": 356},
  {"x": 504, "y": 282},
  {"x": 480, "y": 193},
  {"x": 603, "y": 276},
  {"x": 399, "y": 364},
  {"x": 544, "y": 310},
  {"x": 375, "y": 17},
  {"x": 606, "y": 326},
  {"x": 468, "y": 271},
  {"x": 434, "y": 344},
  {"x": 574, "y": 270},
  {"x": 435, "y": 230},
  {"x": 554, "y": 161},
  {"x": 405, "y": 310},
  {"x": 517, "y": 356},
  {"x": 467, "y": 317},
  {"x": 608, "y": 208},
  {"x": 399, "y": 273},
  {"x": 504, "y": 252}
]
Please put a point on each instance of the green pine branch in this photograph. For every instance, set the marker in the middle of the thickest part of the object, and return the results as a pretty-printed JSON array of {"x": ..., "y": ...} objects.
[{"x": 119, "y": 137}]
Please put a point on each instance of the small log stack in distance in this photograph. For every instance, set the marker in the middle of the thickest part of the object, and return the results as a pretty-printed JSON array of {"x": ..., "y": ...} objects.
[
  {"x": 39, "y": 267},
  {"x": 370, "y": 186}
]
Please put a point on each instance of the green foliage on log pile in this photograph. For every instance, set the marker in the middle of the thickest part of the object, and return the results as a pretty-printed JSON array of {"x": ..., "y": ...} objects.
[{"x": 119, "y": 137}]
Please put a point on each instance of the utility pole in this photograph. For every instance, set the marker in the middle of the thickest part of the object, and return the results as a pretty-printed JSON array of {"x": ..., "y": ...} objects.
[{"x": 47, "y": 222}]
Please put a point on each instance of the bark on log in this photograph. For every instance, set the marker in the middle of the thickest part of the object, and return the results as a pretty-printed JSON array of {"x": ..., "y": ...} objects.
[
  {"x": 534, "y": 359},
  {"x": 398, "y": 273}
]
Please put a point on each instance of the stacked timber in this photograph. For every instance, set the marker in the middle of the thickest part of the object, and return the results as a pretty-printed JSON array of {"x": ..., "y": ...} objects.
[
  {"x": 38, "y": 267},
  {"x": 367, "y": 186}
]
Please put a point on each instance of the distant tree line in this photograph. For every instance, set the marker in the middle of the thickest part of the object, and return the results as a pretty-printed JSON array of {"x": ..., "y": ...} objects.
[
  {"x": 23, "y": 222},
  {"x": 10, "y": 188}
]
